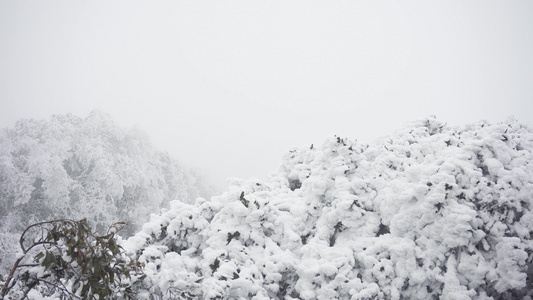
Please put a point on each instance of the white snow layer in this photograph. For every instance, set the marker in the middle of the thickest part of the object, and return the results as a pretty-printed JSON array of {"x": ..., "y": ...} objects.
[{"x": 431, "y": 212}]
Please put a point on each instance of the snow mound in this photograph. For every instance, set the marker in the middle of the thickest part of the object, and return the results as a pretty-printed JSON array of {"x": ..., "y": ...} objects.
[{"x": 430, "y": 212}]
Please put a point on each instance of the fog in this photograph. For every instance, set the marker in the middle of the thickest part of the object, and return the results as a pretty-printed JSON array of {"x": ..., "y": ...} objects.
[{"x": 230, "y": 86}]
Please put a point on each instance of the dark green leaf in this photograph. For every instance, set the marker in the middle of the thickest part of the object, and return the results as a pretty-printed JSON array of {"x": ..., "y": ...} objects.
[
  {"x": 47, "y": 260},
  {"x": 38, "y": 256}
]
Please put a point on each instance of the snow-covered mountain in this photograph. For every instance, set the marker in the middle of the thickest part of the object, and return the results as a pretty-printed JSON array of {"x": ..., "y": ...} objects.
[
  {"x": 429, "y": 212},
  {"x": 69, "y": 167}
]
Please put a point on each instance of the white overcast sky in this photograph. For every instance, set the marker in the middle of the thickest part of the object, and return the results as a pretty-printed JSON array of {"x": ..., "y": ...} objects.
[{"x": 230, "y": 86}]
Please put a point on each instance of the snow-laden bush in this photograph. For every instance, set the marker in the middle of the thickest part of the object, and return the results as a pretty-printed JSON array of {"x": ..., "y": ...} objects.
[
  {"x": 431, "y": 212},
  {"x": 69, "y": 167}
]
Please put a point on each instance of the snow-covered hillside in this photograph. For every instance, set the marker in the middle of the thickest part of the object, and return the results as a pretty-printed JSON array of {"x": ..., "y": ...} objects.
[
  {"x": 69, "y": 167},
  {"x": 430, "y": 212}
]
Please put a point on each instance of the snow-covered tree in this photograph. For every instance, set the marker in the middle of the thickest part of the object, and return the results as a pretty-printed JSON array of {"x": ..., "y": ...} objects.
[
  {"x": 430, "y": 212},
  {"x": 75, "y": 168}
]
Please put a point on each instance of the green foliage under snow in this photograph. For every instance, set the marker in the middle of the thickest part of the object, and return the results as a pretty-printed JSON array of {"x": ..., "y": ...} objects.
[{"x": 430, "y": 212}]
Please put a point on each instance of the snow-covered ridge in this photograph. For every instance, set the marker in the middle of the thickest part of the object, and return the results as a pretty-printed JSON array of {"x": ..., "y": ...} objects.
[{"x": 430, "y": 212}]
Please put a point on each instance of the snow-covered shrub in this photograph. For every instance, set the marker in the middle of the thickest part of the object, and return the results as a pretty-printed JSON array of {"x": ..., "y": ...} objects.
[
  {"x": 430, "y": 212},
  {"x": 90, "y": 168}
]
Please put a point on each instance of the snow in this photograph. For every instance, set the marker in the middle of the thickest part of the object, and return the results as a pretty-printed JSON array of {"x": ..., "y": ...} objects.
[
  {"x": 68, "y": 167},
  {"x": 430, "y": 211}
]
